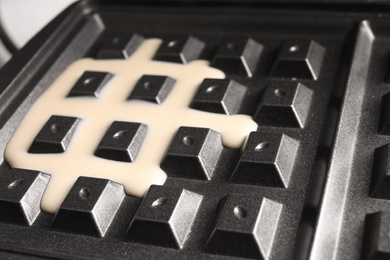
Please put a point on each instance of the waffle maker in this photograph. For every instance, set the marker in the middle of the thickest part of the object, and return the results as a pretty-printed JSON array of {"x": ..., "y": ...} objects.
[{"x": 310, "y": 181}]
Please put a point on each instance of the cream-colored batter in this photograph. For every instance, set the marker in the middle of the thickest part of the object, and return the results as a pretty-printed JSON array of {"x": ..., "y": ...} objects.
[{"x": 98, "y": 113}]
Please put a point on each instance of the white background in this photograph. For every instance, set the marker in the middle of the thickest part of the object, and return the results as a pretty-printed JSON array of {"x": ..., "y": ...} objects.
[{"x": 22, "y": 19}]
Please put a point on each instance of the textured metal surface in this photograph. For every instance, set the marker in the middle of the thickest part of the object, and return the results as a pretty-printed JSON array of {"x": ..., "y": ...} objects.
[{"x": 347, "y": 200}]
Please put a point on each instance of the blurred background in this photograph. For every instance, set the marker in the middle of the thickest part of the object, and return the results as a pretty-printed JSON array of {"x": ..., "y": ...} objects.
[{"x": 20, "y": 20}]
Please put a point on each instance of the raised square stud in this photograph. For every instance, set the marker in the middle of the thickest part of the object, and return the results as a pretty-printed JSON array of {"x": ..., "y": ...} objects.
[
  {"x": 238, "y": 56},
  {"x": 122, "y": 141},
  {"x": 284, "y": 104},
  {"x": 119, "y": 46},
  {"x": 267, "y": 160},
  {"x": 380, "y": 181},
  {"x": 301, "y": 59},
  {"x": 246, "y": 227},
  {"x": 376, "y": 236},
  {"x": 384, "y": 120},
  {"x": 90, "y": 84},
  {"x": 153, "y": 88},
  {"x": 193, "y": 153},
  {"x": 55, "y": 135},
  {"x": 20, "y": 196},
  {"x": 222, "y": 96},
  {"x": 180, "y": 49},
  {"x": 164, "y": 217},
  {"x": 90, "y": 207}
]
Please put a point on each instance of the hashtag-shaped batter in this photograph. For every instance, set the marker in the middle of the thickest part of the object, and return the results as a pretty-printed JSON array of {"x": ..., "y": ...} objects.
[{"x": 97, "y": 114}]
